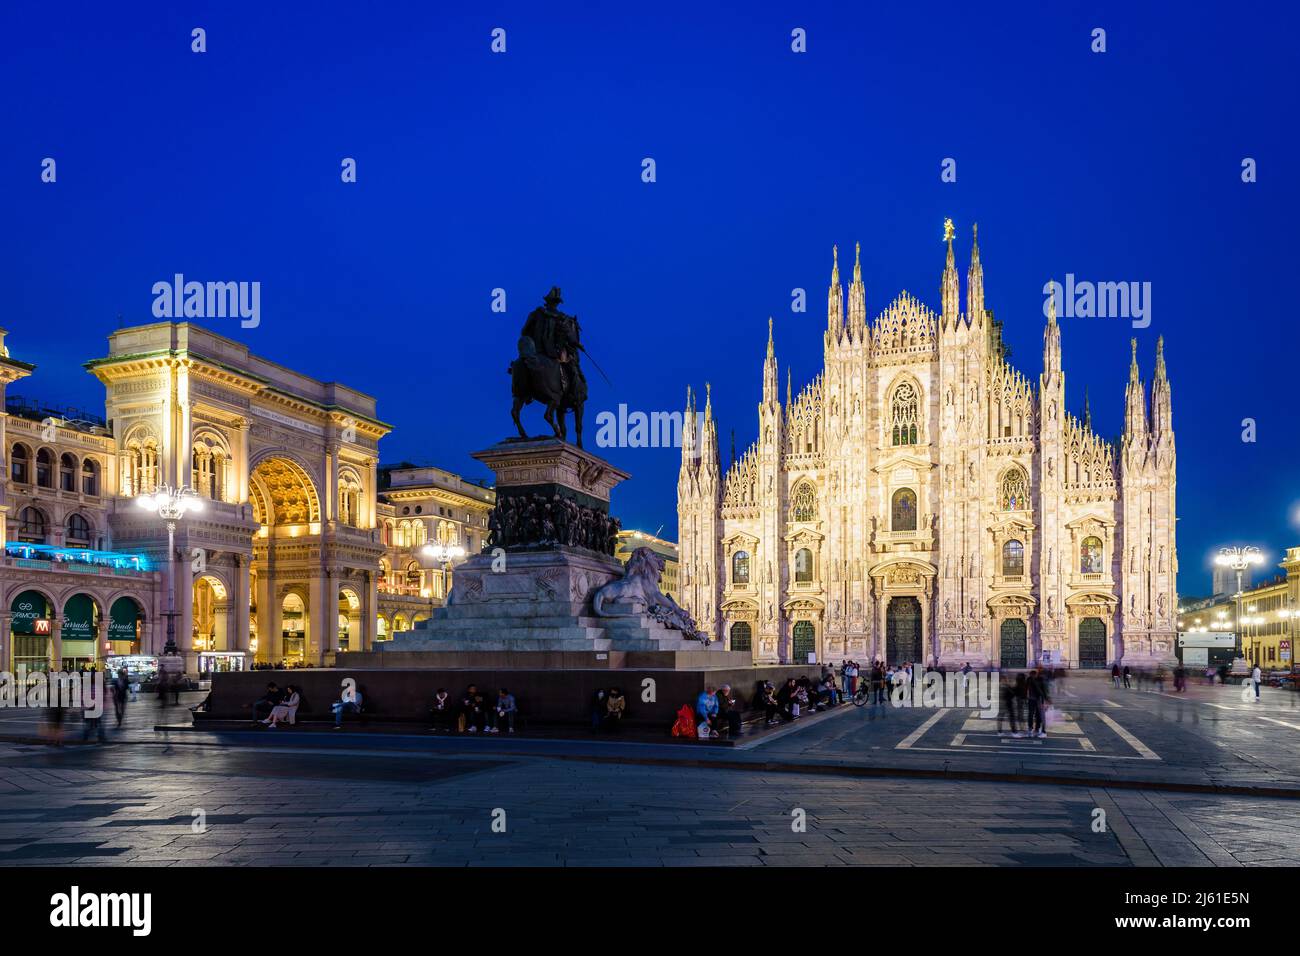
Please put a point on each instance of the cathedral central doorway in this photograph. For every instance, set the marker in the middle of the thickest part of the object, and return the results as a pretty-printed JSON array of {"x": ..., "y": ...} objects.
[
  {"x": 1014, "y": 644},
  {"x": 805, "y": 641},
  {"x": 903, "y": 631},
  {"x": 1092, "y": 643}
]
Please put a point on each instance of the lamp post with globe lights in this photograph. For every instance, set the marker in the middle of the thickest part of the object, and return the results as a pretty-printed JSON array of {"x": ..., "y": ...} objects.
[
  {"x": 444, "y": 554},
  {"x": 1239, "y": 559},
  {"x": 171, "y": 504}
]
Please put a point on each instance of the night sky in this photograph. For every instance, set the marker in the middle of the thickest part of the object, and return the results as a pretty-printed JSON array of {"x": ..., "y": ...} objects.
[{"x": 522, "y": 170}]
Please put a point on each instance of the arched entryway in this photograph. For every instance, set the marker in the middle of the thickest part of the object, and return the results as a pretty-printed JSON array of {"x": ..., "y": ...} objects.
[
  {"x": 1092, "y": 643},
  {"x": 1013, "y": 644},
  {"x": 349, "y": 611},
  {"x": 903, "y": 630},
  {"x": 293, "y": 628},
  {"x": 79, "y": 632},
  {"x": 211, "y": 627},
  {"x": 30, "y": 626},
  {"x": 125, "y": 627}
]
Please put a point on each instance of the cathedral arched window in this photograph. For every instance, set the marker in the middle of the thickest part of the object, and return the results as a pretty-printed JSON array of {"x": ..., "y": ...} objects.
[
  {"x": 803, "y": 566},
  {"x": 1090, "y": 555},
  {"x": 903, "y": 510},
  {"x": 742, "y": 636},
  {"x": 1013, "y": 558},
  {"x": 805, "y": 503},
  {"x": 740, "y": 567},
  {"x": 1015, "y": 491},
  {"x": 904, "y": 414}
]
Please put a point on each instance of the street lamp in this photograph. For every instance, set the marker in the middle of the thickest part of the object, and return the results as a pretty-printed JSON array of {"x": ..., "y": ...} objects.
[
  {"x": 1239, "y": 559},
  {"x": 170, "y": 504},
  {"x": 444, "y": 554}
]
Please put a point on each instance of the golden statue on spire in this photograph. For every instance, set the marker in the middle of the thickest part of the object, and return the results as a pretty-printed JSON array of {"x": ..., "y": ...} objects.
[{"x": 948, "y": 230}]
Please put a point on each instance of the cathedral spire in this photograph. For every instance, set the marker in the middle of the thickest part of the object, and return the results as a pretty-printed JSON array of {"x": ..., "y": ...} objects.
[
  {"x": 835, "y": 298},
  {"x": 1135, "y": 403},
  {"x": 789, "y": 384},
  {"x": 949, "y": 284},
  {"x": 769, "y": 369},
  {"x": 974, "y": 282},
  {"x": 1051, "y": 344},
  {"x": 1087, "y": 410},
  {"x": 709, "y": 442},
  {"x": 1161, "y": 409},
  {"x": 689, "y": 453},
  {"x": 857, "y": 297}
]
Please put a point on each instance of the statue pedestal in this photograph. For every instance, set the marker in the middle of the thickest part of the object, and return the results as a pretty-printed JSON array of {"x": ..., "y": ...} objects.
[{"x": 530, "y": 592}]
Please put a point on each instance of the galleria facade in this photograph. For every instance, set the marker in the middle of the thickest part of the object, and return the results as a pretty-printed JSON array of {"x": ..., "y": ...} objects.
[
  {"x": 922, "y": 500},
  {"x": 303, "y": 546}
]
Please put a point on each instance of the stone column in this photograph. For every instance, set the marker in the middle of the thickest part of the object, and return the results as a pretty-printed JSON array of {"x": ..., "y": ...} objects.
[
  {"x": 330, "y": 624},
  {"x": 6, "y": 641},
  {"x": 267, "y": 619},
  {"x": 101, "y": 636},
  {"x": 241, "y": 461},
  {"x": 240, "y": 597},
  {"x": 56, "y": 642},
  {"x": 314, "y": 647},
  {"x": 369, "y": 611},
  {"x": 184, "y": 581}
]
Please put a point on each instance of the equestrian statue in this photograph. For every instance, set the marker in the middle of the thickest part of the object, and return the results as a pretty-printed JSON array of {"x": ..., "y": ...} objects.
[{"x": 547, "y": 369}]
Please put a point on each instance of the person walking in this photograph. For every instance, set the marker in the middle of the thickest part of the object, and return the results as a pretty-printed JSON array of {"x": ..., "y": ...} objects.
[
  {"x": 1038, "y": 702},
  {"x": 121, "y": 685},
  {"x": 1255, "y": 677},
  {"x": 1007, "y": 692}
]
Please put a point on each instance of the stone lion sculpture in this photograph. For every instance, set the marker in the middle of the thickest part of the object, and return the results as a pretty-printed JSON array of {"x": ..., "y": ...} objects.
[{"x": 639, "y": 587}]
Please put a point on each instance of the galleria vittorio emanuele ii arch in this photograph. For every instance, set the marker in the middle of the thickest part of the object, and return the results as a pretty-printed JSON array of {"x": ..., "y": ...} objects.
[{"x": 282, "y": 562}]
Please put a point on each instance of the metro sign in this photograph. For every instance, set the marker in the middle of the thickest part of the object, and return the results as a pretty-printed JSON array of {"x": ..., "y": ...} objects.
[{"x": 41, "y": 625}]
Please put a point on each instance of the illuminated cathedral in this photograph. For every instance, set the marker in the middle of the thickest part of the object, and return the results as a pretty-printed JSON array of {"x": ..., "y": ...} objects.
[{"x": 923, "y": 500}]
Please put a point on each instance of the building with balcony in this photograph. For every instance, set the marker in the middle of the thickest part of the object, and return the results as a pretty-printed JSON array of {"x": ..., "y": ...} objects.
[{"x": 419, "y": 506}]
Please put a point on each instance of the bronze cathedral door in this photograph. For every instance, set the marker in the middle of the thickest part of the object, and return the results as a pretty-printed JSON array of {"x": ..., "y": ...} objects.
[{"x": 903, "y": 631}]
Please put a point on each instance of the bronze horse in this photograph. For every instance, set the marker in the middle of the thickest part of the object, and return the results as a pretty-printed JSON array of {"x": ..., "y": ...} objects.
[{"x": 556, "y": 384}]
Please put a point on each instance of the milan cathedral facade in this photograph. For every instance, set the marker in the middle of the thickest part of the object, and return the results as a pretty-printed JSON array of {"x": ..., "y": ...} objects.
[{"x": 922, "y": 500}]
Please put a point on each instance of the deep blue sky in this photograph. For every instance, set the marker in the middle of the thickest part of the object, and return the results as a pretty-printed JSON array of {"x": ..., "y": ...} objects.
[{"x": 522, "y": 170}]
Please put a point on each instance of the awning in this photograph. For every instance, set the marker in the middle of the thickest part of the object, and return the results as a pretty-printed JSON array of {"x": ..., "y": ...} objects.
[
  {"x": 28, "y": 608},
  {"x": 122, "y": 619},
  {"x": 79, "y": 619}
]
